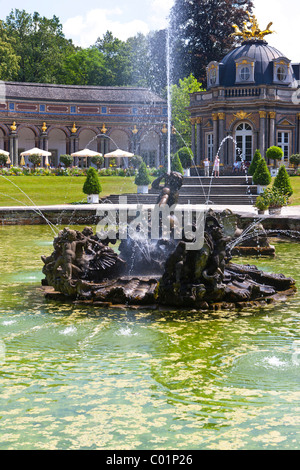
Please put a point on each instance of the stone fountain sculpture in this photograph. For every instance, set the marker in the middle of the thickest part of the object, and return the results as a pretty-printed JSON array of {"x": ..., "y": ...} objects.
[{"x": 166, "y": 274}]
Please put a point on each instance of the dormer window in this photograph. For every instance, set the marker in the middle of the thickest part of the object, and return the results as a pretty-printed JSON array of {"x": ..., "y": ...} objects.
[
  {"x": 245, "y": 74},
  {"x": 282, "y": 72},
  {"x": 213, "y": 74},
  {"x": 244, "y": 70}
]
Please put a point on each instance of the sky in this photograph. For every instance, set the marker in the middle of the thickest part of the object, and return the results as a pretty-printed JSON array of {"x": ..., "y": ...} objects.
[{"x": 84, "y": 22}]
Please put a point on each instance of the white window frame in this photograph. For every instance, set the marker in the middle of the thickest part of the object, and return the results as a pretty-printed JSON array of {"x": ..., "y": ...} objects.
[
  {"x": 285, "y": 146},
  {"x": 210, "y": 146}
]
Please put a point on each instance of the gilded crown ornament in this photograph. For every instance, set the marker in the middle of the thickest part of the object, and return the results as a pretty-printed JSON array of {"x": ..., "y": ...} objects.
[
  {"x": 74, "y": 129},
  {"x": 14, "y": 126},
  {"x": 253, "y": 31}
]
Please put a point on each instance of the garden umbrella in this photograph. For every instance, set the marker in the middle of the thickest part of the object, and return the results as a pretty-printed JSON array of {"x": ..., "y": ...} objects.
[
  {"x": 120, "y": 154},
  {"x": 36, "y": 151},
  {"x": 86, "y": 153},
  {"x": 3, "y": 152},
  {"x": 22, "y": 162}
]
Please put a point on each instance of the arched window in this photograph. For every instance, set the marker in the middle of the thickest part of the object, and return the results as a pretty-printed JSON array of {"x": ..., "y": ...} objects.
[
  {"x": 245, "y": 74},
  {"x": 244, "y": 142},
  {"x": 282, "y": 73}
]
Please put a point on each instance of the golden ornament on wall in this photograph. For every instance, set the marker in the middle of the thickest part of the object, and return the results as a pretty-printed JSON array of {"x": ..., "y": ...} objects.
[
  {"x": 242, "y": 115},
  {"x": 14, "y": 126},
  {"x": 74, "y": 129},
  {"x": 44, "y": 128}
]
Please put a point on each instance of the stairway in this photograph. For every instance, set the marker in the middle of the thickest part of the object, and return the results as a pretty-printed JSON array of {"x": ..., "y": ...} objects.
[{"x": 226, "y": 190}]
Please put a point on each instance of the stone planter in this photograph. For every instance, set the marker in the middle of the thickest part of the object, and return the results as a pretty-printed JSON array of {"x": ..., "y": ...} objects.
[
  {"x": 93, "y": 199},
  {"x": 187, "y": 172},
  {"x": 143, "y": 189},
  {"x": 260, "y": 212},
  {"x": 275, "y": 210},
  {"x": 260, "y": 189},
  {"x": 274, "y": 172}
]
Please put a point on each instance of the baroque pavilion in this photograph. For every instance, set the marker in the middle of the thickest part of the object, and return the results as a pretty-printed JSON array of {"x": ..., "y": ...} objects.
[{"x": 253, "y": 95}]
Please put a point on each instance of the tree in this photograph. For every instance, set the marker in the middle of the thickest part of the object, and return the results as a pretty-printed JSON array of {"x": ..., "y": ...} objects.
[
  {"x": 67, "y": 160},
  {"x": 142, "y": 178},
  {"x": 3, "y": 159},
  {"x": 92, "y": 183},
  {"x": 274, "y": 153},
  {"x": 85, "y": 67},
  {"x": 295, "y": 160},
  {"x": 186, "y": 157},
  {"x": 9, "y": 60},
  {"x": 35, "y": 160},
  {"x": 180, "y": 103},
  {"x": 117, "y": 61},
  {"x": 98, "y": 161},
  {"x": 202, "y": 32},
  {"x": 176, "y": 164},
  {"x": 262, "y": 175},
  {"x": 282, "y": 182},
  {"x": 252, "y": 168},
  {"x": 41, "y": 45}
]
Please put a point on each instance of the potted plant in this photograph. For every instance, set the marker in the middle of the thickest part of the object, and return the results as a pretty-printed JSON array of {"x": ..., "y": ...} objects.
[
  {"x": 274, "y": 153},
  {"x": 67, "y": 160},
  {"x": 142, "y": 179},
  {"x": 252, "y": 168},
  {"x": 35, "y": 159},
  {"x": 97, "y": 160},
  {"x": 186, "y": 158},
  {"x": 261, "y": 204},
  {"x": 282, "y": 182},
  {"x": 275, "y": 199},
  {"x": 295, "y": 160},
  {"x": 3, "y": 159},
  {"x": 262, "y": 177},
  {"x": 92, "y": 186}
]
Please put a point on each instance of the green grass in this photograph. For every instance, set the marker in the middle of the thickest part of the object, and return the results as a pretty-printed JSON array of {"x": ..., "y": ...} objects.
[
  {"x": 295, "y": 199},
  {"x": 48, "y": 190}
]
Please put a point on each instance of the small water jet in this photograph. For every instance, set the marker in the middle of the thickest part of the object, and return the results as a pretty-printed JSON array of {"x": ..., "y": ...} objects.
[{"x": 162, "y": 272}]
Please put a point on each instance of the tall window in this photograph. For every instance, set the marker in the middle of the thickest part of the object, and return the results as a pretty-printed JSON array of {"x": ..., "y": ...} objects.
[
  {"x": 283, "y": 141},
  {"x": 244, "y": 141},
  {"x": 210, "y": 146}
]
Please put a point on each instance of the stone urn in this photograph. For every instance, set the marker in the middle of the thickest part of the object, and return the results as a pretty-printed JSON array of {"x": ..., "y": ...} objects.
[
  {"x": 275, "y": 210},
  {"x": 261, "y": 189},
  {"x": 143, "y": 189}
]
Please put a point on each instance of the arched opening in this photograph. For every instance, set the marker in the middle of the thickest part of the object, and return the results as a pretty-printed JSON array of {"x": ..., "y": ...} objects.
[
  {"x": 149, "y": 146},
  {"x": 2, "y": 140},
  {"x": 244, "y": 142},
  {"x": 26, "y": 141},
  {"x": 119, "y": 139},
  {"x": 57, "y": 145}
]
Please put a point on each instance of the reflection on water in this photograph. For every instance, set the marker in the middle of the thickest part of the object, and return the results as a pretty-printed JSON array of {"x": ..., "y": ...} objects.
[{"x": 76, "y": 377}]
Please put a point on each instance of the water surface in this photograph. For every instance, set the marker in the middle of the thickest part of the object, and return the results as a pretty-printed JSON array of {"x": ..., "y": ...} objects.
[{"x": 76, "y": 377}]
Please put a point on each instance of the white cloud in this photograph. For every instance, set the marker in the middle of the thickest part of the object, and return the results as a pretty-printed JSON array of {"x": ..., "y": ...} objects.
[
  {"x": 85, "y": 29},
  {"x": 160, "y": 12}
]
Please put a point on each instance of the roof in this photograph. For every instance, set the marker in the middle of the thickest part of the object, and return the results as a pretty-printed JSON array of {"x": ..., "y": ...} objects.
[
  {"x": 83, "y": 94},
  {"x": 261, "y": 52}
]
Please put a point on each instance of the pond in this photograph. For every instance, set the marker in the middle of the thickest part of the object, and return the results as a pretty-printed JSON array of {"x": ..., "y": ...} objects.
[{"x": 78, "y": 377}]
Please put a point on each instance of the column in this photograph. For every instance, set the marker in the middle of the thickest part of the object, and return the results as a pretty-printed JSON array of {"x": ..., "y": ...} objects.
[
  {"x": 231, "y": 150},
  {"x": 198, "y": 141},
  {"x": 215, "y": 132},
  {"x": 262, "y": 132},
  {"x": 13, "y": 148},
  {"x": 221, "y": 117},
  {"x": 193, "y": 122},
  {"x": 272, "y": 116}
]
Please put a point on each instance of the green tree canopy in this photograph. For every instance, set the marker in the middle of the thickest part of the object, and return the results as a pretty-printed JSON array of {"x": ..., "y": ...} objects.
[{"x": 202, "y": 32}]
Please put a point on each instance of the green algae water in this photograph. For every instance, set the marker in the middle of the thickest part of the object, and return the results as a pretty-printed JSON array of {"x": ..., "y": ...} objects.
[{"x": 77, "y": 377}]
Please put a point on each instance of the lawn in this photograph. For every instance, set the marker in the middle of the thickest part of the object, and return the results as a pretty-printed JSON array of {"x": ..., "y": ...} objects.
[
  {"x": 295, "y": 199},
  {"x": 48, "y": 190}
]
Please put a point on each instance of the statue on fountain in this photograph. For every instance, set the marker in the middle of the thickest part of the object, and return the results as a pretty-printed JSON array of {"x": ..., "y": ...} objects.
[{"x": 160, "y": 273}]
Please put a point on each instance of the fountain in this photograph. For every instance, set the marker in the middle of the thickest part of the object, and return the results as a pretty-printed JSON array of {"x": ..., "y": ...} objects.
[{"x": 162, "y": 272}]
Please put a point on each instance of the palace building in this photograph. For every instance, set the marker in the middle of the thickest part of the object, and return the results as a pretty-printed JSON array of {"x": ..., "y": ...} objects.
[
  {"x": 252, "y": 98},
  {"x": 63, "y": 119}
]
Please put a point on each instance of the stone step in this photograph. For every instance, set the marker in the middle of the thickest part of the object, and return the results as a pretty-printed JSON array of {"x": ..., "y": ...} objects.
[
  {"x": 223, "y": 180},
  {"x": 218, "y": 199}
]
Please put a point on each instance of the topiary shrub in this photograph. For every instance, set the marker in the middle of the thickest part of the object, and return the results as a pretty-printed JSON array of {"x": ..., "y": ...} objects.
[
  {"x": 3, "y": 159},
  {"x": 35, "y": 160},
  {"x": 92, "y": 183},
  {"x": 262, "y": 176},
  {"x": 186, "y": 157},
  {"x": 142, "y": 178},
  {"x": 176, "y": 164},
  {"x": 98, "y": 160},
  {"x": 136, "y": 161},
  {"x": 256, "y": 158},
  {"x": 295, "y": 160},
  {"x": 282, "y": 182},
  {"x": 275, "y": 153},
  {"x": 67, "y": 160}
]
